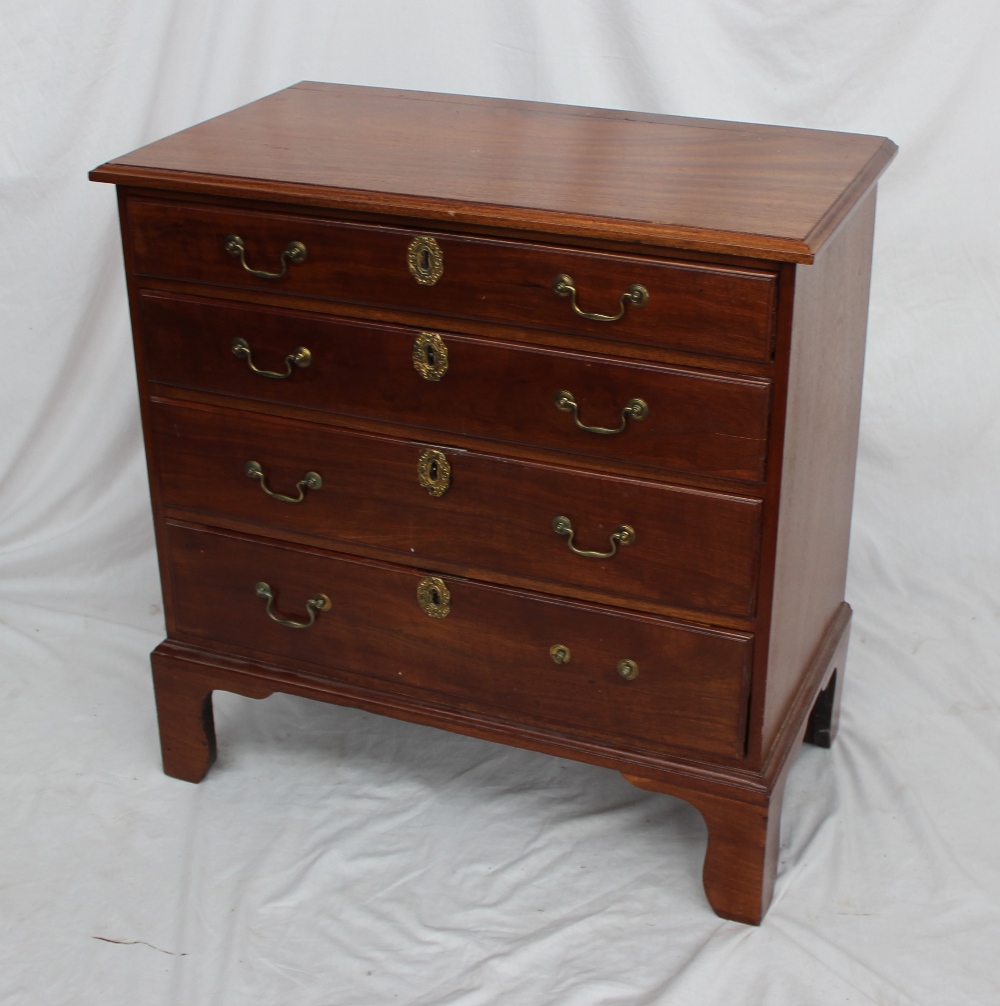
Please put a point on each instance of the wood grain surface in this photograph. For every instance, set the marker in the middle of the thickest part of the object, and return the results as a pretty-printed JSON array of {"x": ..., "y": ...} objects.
[
  {"x": 693, "y": 308},
  {"x": 693, "y": 549},
  {"x": 754, "y": 243},
  {"x": 491, "y": 652},
  {"x": 819, "y": 430},
  {"x": 699, "y": 422},
  {"x": 772, "y": 192}
]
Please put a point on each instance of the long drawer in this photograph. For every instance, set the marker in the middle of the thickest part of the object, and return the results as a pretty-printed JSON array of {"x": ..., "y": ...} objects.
[
  {"x": 710, "y": 309},
  {"x": 512, "y": 655},
  {"x": 686, "y": 421},
  {"x": 429, "y": 503}
]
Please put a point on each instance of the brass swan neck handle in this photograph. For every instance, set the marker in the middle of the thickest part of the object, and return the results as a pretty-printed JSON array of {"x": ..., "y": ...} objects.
[
  {"x": 299, "y": 357},
  {"x": 319, "y": 602},
  {"x": 295, "y": 252},
  {"x": 636, "y": 296},
  {"x": 635, "y": 409},
  {"x": 622, "y": 535},
  {"x": 311, "y": 480}
]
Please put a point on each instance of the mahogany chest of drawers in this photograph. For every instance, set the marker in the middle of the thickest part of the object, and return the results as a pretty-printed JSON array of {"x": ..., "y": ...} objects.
[{"x": 531, "y": 422}]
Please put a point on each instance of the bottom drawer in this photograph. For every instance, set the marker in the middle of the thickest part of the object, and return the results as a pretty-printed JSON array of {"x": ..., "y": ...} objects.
[{"x": 482, "y": 648}]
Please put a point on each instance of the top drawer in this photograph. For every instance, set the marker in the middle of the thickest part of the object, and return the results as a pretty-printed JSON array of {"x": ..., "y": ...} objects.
[{"x": 703, "y": 309}]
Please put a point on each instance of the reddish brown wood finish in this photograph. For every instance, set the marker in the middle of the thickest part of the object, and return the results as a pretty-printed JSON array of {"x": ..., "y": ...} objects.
[
  {"x": 696, "y": 308},
  {"x": 741, "y": 808},
  {"x": 489, "y": 654},
  {"x": 187, "y": 725},
  {"x": 697, "y": 421},
  {"x": 769, "y": 192},
  {"x": 750, "y": 366},
  {"x": 186, "y": 721},
  {"x": 744, "y": 820},
  {"x": 819, "y": 433},
  {"x": 692, "y": 548},
  {"x": 742, "y": 855}
]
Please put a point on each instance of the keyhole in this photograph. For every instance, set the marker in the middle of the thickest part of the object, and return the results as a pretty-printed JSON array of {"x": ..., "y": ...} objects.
[
  {"x": 425, "y": 259},
  {"x": 434, "y": 471},
  {"x": 435, "y": 597},
  {"x": 429, "y": 355}
]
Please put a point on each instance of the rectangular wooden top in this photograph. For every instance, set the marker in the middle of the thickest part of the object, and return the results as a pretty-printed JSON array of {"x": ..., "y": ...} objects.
[{"x": 769, "y": 192}]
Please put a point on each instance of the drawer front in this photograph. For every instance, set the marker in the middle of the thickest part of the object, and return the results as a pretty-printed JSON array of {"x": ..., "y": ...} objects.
[
  {"x": 696, "y": 422},
  {"x": 691, "y": 549},
  {"x": 705, "y": 309},
  {"x": 492, "y": 651}
]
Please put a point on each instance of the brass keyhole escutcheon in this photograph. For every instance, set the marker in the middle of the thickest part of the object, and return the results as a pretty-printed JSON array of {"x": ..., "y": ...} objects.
[
  {"x": 430, "y": 356},
  {"x": 628, "y": 669},
  {"x": 426, "y": 260},
  {"x": 434, "y": 472},
  {"x": 559, "y": 653},
  {"x": 434, "y": 597}
]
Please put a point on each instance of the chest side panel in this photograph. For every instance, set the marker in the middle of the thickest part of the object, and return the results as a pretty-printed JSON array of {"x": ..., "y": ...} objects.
[{"x": 820, "y": 437}]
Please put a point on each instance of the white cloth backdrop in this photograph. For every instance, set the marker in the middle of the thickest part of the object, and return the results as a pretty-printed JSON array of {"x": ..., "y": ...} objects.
[{"x": 333, "y": 858}]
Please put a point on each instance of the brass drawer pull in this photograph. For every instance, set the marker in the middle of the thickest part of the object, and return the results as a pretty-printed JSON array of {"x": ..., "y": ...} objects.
[
  {"x": 295, "y": 252},
  {"x": 628, "y": 669},
  {"x": 434, "y": 472},
  {"x": 320, "y": 602},
  {"x": 434, "y": 597},
  {"x": 300, "y": 357},
  {"x": 622, "y": 535},
  {"x": 635, "y": 409},
  {"x": 559, "y": 653},
  {"x": 311, "y": 480},
  {"x": 636, "y": 295}
]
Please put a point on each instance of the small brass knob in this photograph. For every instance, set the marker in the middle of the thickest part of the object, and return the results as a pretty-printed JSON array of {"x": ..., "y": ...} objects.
[
  {"x": 628, "y": 669},
  {"x": 559, "y": 653}
]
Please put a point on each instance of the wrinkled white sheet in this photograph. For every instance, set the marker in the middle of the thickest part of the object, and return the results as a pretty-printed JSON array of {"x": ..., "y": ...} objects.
[{"x": 333, "y": 858}]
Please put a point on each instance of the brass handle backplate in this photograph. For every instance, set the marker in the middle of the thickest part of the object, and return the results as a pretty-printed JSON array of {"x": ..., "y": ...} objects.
[
  {"x": 430, "y": 356},
  {"x": 295, "y": 252},
  {"x": 622, "y": 535},
  {"x": 434, "y": 472},
  {"x": 425, "y": 260},
  {"x": 636, "y": 295},
  {"x": 299, "y": 357},
  {"x": 319, "y": 602},
  {"x": 434, "y": 597},
  {"x": 635, "y": 409},
  {"x": 311, "y": 480}
]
